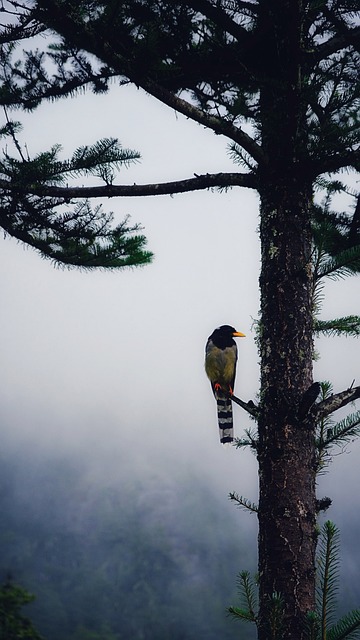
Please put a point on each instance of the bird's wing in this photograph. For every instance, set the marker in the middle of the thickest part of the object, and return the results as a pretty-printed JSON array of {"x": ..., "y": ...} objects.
[
  {"x": 220, "y": 365},
  {"x": 234, "y": 357}
]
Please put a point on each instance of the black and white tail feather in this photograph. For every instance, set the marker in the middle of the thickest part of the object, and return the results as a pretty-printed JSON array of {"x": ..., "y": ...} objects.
[
  {"x": 225, "y": 417},
  {"x": 220, "y": 367}
]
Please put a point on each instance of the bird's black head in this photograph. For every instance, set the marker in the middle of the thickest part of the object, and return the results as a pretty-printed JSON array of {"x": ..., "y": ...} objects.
[
  {"x": 223, "y": 336},
  {"x": 225, "y": 329}
]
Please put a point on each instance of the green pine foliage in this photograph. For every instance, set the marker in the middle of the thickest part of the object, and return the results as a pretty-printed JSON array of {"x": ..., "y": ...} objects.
[
  {"x": 348, "y": 326},
  {"x": 13, "y": 624},
  {"x": 250, "y": 440},
  {"x": 320, "y": 623},
  {"x": 242, "y": 502},
  {"x": 276, "y": 616},
  {"x": 330, "y": 434},
  {"x": 336, "y": 255},
  {"x": 344, "y": 263},
  {"x": 204, "y": 50},
  {"x": 328, "y": 573},
  {"x": 68, "y": 234},
  {"x": 248, "y": 609},
  {"x": 78, "y": 236},
  {"x": 247, "y": 590},
  {"x": 312, "y": 626},
  {"x": 347, "y": 627}
]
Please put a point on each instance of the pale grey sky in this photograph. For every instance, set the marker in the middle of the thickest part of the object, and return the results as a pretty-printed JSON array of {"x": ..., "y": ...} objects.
[{"x": 98, "y": 362}]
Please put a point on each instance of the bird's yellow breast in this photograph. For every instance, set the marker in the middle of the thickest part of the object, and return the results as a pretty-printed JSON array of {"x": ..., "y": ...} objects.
[{"x": 220, "y": 364}]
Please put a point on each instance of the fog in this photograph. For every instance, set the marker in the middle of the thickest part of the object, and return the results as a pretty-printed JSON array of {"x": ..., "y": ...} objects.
[
  {"x": 104, "y": 360},
  {"x": 106, "y": 369}
]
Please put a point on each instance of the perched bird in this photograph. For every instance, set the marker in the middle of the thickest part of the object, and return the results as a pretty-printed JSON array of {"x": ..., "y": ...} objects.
[{"x": 220, "y": 367}]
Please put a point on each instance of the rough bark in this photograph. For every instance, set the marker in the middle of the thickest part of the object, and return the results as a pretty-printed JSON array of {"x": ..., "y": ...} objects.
[
  {"x": 286, "y": 451},
  {"x": 198, "y": 182}
]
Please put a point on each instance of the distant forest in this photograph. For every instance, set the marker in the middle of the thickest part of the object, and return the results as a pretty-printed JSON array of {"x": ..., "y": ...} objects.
[
  {"x": 131, "y": 553},
  {"x": 146, "y": 558}
]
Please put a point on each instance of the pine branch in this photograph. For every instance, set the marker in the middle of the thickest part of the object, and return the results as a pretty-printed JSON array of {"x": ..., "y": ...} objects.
[
  {"x": 336, "y": 43},
  {"x": 348, "y": 627},
  {"x": 241, "y": 614},
  {"x": 200, "y": 182},
  {"x": 312, "y": 625},
  {"x": 276, "y": 616},
  {"x": 46, "y": 169},
  {"x": 336, "y": 401},
  {"x": 84, "y": 36},
  {"x": 348, "y": 326},
  {"x": 344, "y": 431},
  {"x": 12, "y": 128},
  {"x": 90, "y": 158},
  {"x": 218, "y": 125},
  {"x": 246, "y": 588},
  {"x": 346, "y": 262},
  {"x": 322, "y": 426},
  {"x": 318, "y": 623},
  {"x": 332, "y": 163},
  {"x": 22, "y": 31},
  {"x": 240, "y": 157},
  {"x": 328, "y": 562},
  {"x": 221, "y": 18},
  {"x": 82, "y": 238},
  {"x": 250, "y": 441},
  {"x": 242, "y": 502},
  {"x": 354, "y": 231}
]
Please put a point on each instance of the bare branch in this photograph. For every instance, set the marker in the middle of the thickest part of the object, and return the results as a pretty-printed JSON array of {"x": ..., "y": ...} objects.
[
  {"x": 250, "y": 407},
  {"x": 336, "y": 401},
  {"x": 219, "y": 125},
  {"x": 199, "y": 182}
]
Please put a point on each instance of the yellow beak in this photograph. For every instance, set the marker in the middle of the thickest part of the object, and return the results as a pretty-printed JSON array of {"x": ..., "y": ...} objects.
[{"x": 238, "y": 334}]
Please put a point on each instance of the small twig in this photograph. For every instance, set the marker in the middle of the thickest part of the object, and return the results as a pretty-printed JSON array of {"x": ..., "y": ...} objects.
[
  {"x": 336, "y": 401},
  {"x": 15, "y": 140},
  {"x": 250, "y": 407},
  {"x": 251, "y": 441},
  {"x": 242, "y": 502}
]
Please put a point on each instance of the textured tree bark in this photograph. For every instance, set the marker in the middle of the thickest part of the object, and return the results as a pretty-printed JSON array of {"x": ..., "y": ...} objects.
[{"x": 286, "y": 451}]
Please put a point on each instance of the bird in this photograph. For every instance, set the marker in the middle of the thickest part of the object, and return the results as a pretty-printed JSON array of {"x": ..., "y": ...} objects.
[{"x": 220, "y": 367}]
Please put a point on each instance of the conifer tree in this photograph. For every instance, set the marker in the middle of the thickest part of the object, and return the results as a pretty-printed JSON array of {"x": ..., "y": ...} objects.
[
  {"x": 279, "y": 79},
  {"x": 13, "y": 624}
]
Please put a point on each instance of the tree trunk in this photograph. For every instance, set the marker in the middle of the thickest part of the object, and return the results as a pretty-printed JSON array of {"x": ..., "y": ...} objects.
[{"x": 286, "y": 438}]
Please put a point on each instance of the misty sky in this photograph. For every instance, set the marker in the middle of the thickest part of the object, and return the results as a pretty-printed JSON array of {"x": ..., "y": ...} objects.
[{"x": 95, "y": 363}]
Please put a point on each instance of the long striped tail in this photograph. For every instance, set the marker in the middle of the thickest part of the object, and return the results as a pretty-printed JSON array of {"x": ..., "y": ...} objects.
[{"x": 225, "y": 418}]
